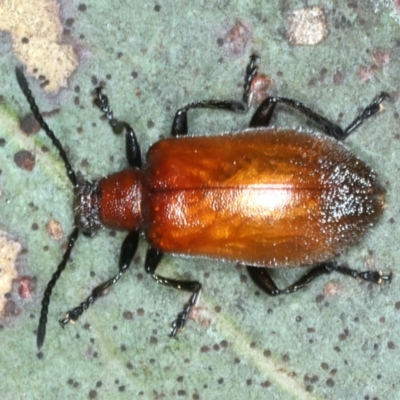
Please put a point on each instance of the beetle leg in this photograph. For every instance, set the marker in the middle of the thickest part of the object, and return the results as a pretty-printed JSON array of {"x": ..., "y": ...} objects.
[
  {"x": 153, "y": 259},
  {"x": 264, "y": 112},
  {"x": 128, "y": 251},
  {"x": 261, "y": 118},
  {"x": 262, "y": 279},
  {"x": 179, "y": 125},
  {"x": 132, "y": 146}
]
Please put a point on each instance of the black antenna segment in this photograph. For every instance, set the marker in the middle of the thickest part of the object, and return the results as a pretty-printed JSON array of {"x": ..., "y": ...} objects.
[{"x": 23, "y": 84}]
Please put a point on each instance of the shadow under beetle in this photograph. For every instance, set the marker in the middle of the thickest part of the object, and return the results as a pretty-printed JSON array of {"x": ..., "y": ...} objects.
[{"x": 263, "y": 197}]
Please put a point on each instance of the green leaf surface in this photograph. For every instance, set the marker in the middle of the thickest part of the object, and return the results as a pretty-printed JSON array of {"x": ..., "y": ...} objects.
[{"x": 337, "y": 339}]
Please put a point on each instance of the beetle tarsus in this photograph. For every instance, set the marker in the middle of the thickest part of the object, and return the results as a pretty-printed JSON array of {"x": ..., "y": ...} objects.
[
  {"x": 251, "y": 72},
  {"x": 71, "y": 316},
  {"x": 180, "y": 322},
  {"x": 368, "y": 112},
  {"x": 178, "y": 325},
  {"x": 375, "y": 276}
]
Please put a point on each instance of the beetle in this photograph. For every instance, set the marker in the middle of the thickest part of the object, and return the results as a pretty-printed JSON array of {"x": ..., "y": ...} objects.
[{"x": 263, "y": 197}]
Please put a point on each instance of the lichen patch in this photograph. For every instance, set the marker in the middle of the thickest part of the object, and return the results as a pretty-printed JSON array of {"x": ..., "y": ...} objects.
[
  {"x": 36, "y": 31},
  {"x": 9, "y": 250},
  {"x": 307, "y": 26}
]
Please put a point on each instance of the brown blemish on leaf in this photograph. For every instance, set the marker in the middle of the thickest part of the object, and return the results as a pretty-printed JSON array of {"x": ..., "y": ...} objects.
[
  {"x": 380, "y": 58},
  {"x": 36, "y": 31},
  {"x": 25, "y": 160},
  {"x": 26, "y": 287},
  {"x": 29, "y": 125},
  {"x": 236, "y": 39},
  {"x": 332, "y": 289}
]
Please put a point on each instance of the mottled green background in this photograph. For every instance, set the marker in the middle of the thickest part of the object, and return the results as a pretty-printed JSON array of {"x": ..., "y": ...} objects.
[{"x": 244, "y": 345}]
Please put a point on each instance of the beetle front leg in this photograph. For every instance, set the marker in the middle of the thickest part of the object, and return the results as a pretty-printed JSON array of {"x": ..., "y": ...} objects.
[
  {"x": 179, "y": 126},
  {"x": 131, "y": 143},
  {"x": 153, "y": 259},
  {"x": 262, "y": 279},
  {"x": 128, "y": 251}
]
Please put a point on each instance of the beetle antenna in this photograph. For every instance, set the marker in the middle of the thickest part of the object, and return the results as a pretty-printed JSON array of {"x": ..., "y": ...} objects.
[
  {"x": 23, "y": 84},
  {"x": 41, "y": 333},
  {"x": 47, "y": 293}
]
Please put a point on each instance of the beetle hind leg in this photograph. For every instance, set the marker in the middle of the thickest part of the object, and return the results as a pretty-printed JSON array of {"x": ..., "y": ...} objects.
[
  {"x": 264, "y": 112},
  {"x": 262, "y": 279},
  {"x": 153, "y": 259}
]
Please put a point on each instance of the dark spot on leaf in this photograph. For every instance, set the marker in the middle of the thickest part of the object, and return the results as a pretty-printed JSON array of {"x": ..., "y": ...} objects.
[{"x": 29, "y": 125}]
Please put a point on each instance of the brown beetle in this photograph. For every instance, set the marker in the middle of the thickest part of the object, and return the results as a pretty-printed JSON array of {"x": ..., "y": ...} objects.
[{"x": 263, "y": 197}]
